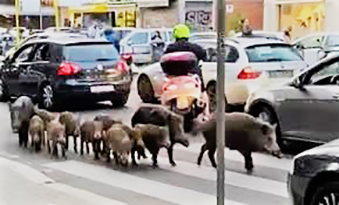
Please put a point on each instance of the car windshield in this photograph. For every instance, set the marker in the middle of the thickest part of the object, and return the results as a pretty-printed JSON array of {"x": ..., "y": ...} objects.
[
  {"x": 272, "y": 53},
  {"x": 332, "y": 41},
  {"x": 90, "y": 52}
]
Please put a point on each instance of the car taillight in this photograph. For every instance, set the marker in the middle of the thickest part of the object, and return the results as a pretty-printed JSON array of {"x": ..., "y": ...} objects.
[
  {"x": 67, "y": 68},
  {"x": 248, "y": 73},
  {"x": 123, "y": 66}
]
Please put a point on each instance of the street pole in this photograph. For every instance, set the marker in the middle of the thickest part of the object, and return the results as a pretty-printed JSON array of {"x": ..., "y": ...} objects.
[
  {"x": 221, "y": 102},
  {"x": 17, "y": 21},
  {"x": 56, "y": 10},
  {"x": 41, "y": 26}
]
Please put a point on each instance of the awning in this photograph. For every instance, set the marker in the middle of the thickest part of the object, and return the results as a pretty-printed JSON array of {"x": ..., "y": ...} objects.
[{"x": 94, "y": 8}]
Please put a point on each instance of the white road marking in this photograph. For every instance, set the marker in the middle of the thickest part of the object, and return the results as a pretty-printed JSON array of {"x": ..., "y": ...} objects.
[
  {"x": 139, "y": 185},
  {"x": 37, "y": 177},
  {"x": 232, "y": 178},
  {"x": 233, "y": 155}
]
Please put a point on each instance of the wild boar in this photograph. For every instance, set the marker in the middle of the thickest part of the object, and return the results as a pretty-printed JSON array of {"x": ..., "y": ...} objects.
[
  {"x": 91, "y": 132},
  {"x": 56, "y": 135},
  {"x": 72, "y": 126},
  {"x": 136, "y": 138},
  {"x": 243, "y": 133},
  {"x": 20, "y": 112},
  {"x": 45, "y": 115},
  {"x": 154, "y": 137},
  {"x": 119, "y": 141},
  {"x": 161, "y": 116},
  {"x": 36, "y": 131},
  {"x": 107, "y": 123}
]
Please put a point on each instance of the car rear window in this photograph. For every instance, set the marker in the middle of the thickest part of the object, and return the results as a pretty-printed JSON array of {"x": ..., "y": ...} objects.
[
  {"x": 272, "y": 53},
  {"x": 90, "y": 52}
]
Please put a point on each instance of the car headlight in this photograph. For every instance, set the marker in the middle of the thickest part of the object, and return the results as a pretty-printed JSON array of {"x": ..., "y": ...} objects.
[
  {"x": 172, "y": 87},
  {"x": 189, "y": 85}
]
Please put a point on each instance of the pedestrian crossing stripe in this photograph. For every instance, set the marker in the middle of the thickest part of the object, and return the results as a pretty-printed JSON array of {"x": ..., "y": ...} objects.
[
  {"x": 166, "y": 192},
  {"x": 260, "y": 159}
]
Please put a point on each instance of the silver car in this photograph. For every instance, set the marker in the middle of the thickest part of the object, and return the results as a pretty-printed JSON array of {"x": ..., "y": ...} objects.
[{"x": 306, "y": 107}]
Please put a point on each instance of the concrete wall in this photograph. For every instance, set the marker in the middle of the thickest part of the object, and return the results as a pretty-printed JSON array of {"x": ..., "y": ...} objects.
[{"x": 159, "y": 17}]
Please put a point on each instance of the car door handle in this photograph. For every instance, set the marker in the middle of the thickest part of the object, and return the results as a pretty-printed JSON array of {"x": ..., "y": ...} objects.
[{"x": 336, "y": 96}]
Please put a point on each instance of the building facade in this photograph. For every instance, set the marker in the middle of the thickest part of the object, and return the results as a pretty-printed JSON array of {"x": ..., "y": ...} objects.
[{"x": 305, "y": 16}]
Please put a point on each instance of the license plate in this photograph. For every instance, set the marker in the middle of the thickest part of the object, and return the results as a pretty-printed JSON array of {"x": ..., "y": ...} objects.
[
  {"x": 280, "y": 74},
  {"x": 102, "y": 88}
]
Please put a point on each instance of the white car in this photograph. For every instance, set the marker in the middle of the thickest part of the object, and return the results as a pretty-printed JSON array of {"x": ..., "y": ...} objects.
[
  {"x": 315, "y": 47},
  {"x": 265, "y": 34},
  {"x": 251, "y": 63},
  {"x": 202, "y": 36},
  {"x": 25, "y": 32}
]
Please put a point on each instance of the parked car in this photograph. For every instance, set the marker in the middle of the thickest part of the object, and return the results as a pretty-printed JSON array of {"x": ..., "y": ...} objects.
[
  {"x": 314, "y": 176},
  {"x": 59, "y": 70},
  {"x": 250, "y": 64},
  {"x": 61, "y": 29},
  {"x": 210, "y": 46},
  {"x": 138, "y": 43},
  {"x": 305, "y": 106},
  {"x": 316, "y": 46},
  {"x": 203, "y": 36},
  {"x": 44, "y": 36}
]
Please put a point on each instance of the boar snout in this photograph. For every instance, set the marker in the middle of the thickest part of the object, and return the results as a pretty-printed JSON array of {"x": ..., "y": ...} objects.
[
  {"x": 183, "y": 141},
  {"x": 165, "y": 143},
  {"x": 277, "y": 154}
]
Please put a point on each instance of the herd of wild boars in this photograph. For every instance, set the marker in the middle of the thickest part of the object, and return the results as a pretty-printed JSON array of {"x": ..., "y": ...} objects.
[{"x": 153, "y": 127}]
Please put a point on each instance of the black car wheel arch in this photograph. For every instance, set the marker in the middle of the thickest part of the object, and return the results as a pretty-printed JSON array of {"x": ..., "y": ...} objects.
[
  {"x": 145, "y": 90},
  {"x": 327, "y": 194},
  {"x": 120, "y": 99}
]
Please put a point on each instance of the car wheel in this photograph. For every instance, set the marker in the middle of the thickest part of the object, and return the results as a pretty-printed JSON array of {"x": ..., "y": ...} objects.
[
  {"x": 145, "y": 90},
  {"x": 46, "y": 97},
  {"x": 327, "y": 193},
  {"x": 211, "y": 91},
  {"x": 120, "y": 100},
  {"x": 4, "y": 95}
]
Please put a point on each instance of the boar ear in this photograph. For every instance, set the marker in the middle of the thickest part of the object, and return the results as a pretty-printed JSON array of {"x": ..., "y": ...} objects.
[
  {"x": 265, "y": 128},
  {"x": 275, "y": 125}
]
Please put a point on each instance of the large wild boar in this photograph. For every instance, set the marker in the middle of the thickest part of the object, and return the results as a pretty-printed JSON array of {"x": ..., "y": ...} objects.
[
  {"x": 72, "y": 126},
  {"x": 161, "y": 116},
  {"x": 243, "y": 133},
  {"x": 56, "y": 135},
  {"x": 121, "y": 140},
  {"x": 36, "y": 131},
  {"x": 154, "y": 137},
  {"x": 21, "y": 111},
  {"x": 91, "y": 132}
]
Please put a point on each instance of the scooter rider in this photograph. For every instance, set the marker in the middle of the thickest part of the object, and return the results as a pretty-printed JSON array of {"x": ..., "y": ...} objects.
[{"x": 181, "y": 34}]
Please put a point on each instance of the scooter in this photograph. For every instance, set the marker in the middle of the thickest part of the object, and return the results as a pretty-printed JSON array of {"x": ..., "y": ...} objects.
[{"x": 181, "y": 91}]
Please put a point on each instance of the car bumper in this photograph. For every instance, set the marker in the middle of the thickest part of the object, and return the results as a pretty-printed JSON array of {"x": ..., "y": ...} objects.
[
  {"x": 70, "y": 89},
  {"x": 297, "y": 187}
]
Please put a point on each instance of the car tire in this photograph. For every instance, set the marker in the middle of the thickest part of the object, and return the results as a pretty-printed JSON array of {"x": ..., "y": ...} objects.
[
  {"x": 4, "y": 94},
  {"x": 212, "y": 97},
  {"x": 329, "y": 190},
  {"x": 267, "y": 114},
  {"x": 145, "y": 90},
  {"x": 120, "y": 100},
  {"x": 47, "y": 97}
]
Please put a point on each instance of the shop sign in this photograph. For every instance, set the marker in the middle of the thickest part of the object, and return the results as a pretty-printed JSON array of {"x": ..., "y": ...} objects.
[
  {"x": 152, "y": 3},
  {"x": 32, "y": 6}
]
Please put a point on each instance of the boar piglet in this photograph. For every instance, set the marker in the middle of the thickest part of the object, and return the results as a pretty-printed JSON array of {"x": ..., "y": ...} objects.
[
  {"x": 161, "y": 116},
  {"x": 154, "y": 137},
  {"x": 36, "y": 131},
  {"x": 72, "y": 126},
  {"x": 20, "y": 112},
  {"x": 107, "y": 122},
  {"x": 56, "y": 135},
  {"x": 91, "y": 132},
  {"x": 243, "y": 133},
  {"x": 119, "y": 141}
]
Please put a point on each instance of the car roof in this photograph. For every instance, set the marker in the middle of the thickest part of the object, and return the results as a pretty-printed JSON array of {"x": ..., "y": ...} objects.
[
  {"x": 68, "y": 41},
  {"x": 244, "y": 42},
  {"x": 203, "y": 33}
]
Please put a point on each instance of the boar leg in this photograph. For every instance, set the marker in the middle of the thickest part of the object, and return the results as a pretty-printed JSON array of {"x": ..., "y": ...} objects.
[
  {"x": 82, "y": 146},
  {"x": 66, "y": 142},
  {"x": 96, "y": 148},
  {"x": 211, "y": 156},
  {"x": 170, "y": 154},
  {"x": 202, "y": 151},
  {"x": 75, "y": 144},
  {"x": 54, "y": 149},
  {"x": 63, "y": 149},
  {"x": 134, "y": 163},
  {"x": 49, "y": 147},
  {"x": 116, "y": 158},
  {"x": 248, "y": 160},
  {"x": 87, "y": 147}
]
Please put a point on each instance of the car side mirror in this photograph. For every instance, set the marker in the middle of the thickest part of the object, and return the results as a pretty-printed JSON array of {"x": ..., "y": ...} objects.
[
  {"x": 128, "y": 58},
  {"x": 321, "y": 54},
  {"x": 129, "y": 42},
  {"x": 298, "y": 83}
]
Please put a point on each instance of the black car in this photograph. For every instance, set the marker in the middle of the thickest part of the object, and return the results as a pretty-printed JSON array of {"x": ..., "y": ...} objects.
[
  {"x": 314, "y": 176},
  {"x": 60, "y": 70}
]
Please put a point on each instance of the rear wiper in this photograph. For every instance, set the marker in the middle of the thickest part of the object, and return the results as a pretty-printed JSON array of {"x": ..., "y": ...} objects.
[
  {"x": 104, "y": 59},
  {"x": 274, "y": 60}
]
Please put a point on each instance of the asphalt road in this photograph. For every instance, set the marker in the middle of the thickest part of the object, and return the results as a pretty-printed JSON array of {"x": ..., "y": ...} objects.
[{"x": 36, "y": 179}]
